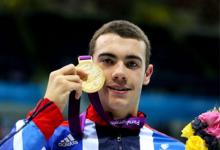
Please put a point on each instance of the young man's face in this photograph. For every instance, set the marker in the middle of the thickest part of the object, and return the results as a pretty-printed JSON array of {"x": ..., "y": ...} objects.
[{"x": 123, "y": 63}]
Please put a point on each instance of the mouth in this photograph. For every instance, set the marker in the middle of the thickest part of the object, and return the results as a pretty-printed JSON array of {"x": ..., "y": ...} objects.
[{"x": 119, "y": 89}]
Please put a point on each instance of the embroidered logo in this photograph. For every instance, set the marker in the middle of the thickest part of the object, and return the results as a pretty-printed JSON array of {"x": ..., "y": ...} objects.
[
  {"x": 67, "y": 141},
  {"x": 164, "y": 146}
]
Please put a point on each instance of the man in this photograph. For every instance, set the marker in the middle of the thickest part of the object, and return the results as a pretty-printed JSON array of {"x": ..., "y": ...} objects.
[{"x": 122, "y": 51}]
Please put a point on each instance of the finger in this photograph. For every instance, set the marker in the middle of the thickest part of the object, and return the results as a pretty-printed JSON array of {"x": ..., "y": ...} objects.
[
  {"x": 82, "y": 74},
  {"x": 74, "y": 86},
  {"x": 73, "y": 78},
  {"x": 78, "y": 91},
  {"x": 78, "y": 94}
]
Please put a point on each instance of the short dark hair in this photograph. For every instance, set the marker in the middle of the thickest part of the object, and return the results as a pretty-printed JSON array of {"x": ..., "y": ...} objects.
[{"x": 124, "y": 29}]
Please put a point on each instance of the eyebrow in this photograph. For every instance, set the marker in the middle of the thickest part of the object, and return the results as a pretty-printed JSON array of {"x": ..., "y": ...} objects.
[
  {"x": 107, "y": 54},
  {"x": 133, "y": 57},
  {"x": 127, "y": 57}
]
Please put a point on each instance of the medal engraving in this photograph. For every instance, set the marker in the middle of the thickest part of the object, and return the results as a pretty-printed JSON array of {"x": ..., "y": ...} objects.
[{"x": 95, "y": 79}]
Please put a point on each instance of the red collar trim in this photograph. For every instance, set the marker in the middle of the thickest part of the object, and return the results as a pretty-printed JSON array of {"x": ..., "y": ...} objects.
[{"x": 94, "y": 116}]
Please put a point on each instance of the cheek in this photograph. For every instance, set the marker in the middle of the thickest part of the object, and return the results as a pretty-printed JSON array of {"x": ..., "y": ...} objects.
[
  {"x": 107, "y": 74},
  {"x": 138, "y": 78}
]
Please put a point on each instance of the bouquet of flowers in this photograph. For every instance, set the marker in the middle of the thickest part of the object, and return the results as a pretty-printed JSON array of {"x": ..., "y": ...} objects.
[{"x": 203, "y": 133}]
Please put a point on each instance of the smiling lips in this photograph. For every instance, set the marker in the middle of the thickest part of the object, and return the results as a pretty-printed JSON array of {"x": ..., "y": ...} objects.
[{"x": 118, "y": 89}]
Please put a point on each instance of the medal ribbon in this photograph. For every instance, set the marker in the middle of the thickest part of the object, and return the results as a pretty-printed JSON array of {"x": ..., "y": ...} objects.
[
  {"x": 74, "y": 119},
  {"x": 129, "y": 123}
]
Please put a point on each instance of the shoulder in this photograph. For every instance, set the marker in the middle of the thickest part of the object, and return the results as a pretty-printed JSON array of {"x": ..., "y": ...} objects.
[{"x": 160, "y": 140}]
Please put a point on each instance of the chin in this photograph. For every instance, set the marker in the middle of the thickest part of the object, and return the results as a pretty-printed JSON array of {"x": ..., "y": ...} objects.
[
  {"x": 113, "y": 103},
  {"x": 118, "y": 104}
]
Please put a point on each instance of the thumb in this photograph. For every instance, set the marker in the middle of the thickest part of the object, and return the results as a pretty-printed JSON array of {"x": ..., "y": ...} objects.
[{"x": 78, "y": 94}]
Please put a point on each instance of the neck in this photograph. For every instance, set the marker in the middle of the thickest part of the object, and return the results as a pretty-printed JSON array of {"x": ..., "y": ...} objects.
[{"x": 121, "y": 115}]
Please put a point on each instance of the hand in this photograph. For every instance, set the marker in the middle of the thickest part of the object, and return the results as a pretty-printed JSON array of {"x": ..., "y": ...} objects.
[{"x": 62, "y": 82}]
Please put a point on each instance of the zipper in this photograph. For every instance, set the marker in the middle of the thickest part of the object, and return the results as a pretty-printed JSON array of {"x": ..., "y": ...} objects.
[{"x": 119, "y": 140}]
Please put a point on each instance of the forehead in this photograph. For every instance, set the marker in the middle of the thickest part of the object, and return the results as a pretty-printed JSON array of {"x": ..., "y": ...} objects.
[{"x": 119, "y": 46}]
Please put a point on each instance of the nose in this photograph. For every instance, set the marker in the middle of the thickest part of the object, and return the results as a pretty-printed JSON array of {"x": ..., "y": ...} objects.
[{"x": 119, "y": 73}]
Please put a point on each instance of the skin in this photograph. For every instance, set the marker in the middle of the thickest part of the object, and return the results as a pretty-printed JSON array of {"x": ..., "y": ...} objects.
[{"x": 123, "y": 63}]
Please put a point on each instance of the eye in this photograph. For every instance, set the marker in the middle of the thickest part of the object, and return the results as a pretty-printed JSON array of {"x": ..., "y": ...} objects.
[
  {"x": 132, "y": 64},
  {"x": 107, "y": 61}
]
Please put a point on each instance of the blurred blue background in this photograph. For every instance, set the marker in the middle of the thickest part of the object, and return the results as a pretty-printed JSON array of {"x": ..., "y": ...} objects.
[{"x": 37, "y": 37}]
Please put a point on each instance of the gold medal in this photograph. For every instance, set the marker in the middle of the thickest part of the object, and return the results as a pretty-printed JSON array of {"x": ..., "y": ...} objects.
[{"x": 95, "y": 79}]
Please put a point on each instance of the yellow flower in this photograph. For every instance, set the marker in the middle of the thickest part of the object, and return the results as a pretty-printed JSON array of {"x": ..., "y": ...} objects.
[
  {"x": 195, "y": 143},
  {"x": 187, "y": 131}
]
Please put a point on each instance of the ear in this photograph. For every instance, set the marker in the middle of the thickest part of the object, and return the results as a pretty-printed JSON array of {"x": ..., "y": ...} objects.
[{"x": 148, "y": 73}]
